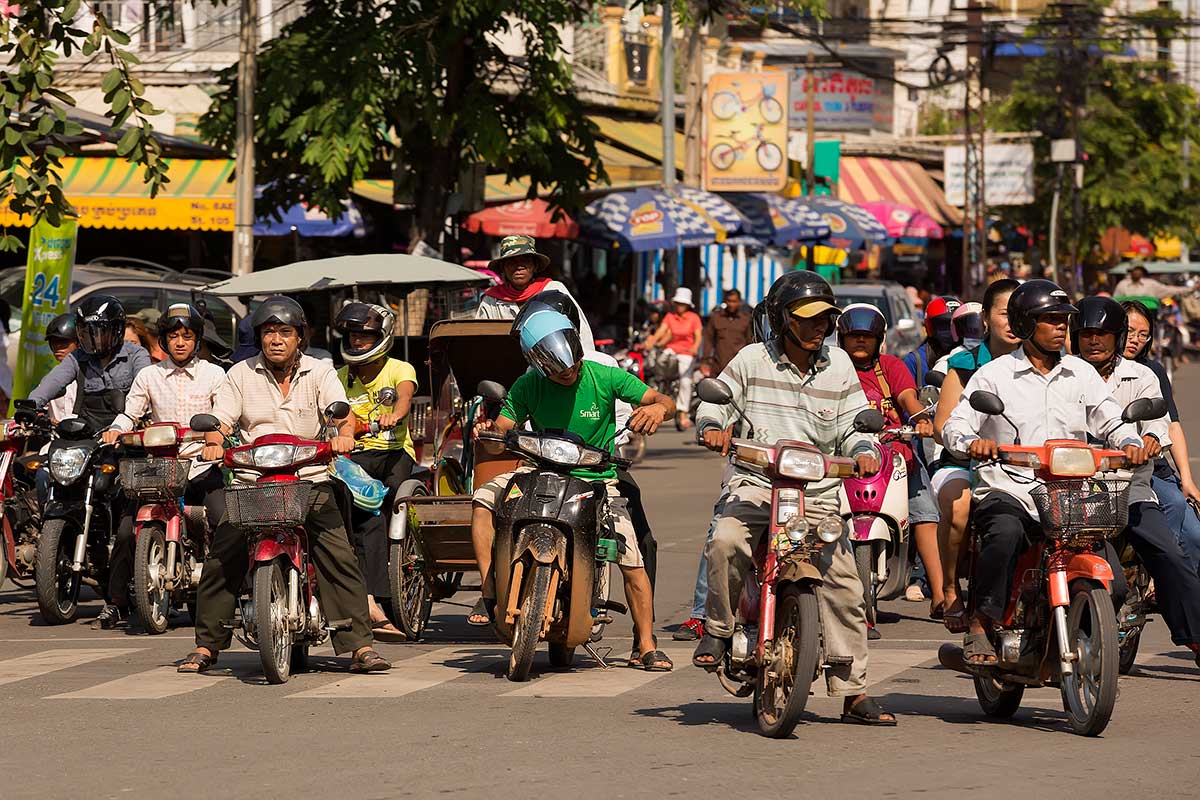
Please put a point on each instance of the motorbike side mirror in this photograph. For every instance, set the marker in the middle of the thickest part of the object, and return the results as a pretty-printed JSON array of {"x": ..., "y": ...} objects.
[
  {"x": 928, "y": 395},
  {"x": 1144, "y": 408},
  {"x": 869, "y": 421},
  {"x": 73, "y": 428},
  {"x": 205, "y": 423},
  {"x": 338, "y": 410},
  {"x": 987, "y": 403},
  {"x": 26, "y": 404},
  {"x": 490, "y": 390},
  {"x": 387, "y": 396},
  {"x": 714, "y": 391},
  {"x": 935, "y": 379}
]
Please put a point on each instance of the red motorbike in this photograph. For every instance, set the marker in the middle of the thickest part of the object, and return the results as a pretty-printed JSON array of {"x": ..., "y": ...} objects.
[
  {"x": 280, "y": 612},
  {"x": 20, "y": 440},
  {"x": 1059, "y": 626},
  {"x": 172, "y": 538},
  {"x": 776, "y": 646}
]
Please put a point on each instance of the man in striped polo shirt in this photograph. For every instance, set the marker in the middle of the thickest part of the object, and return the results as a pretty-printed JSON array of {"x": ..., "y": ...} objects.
[{"x": 793, "y": 387}]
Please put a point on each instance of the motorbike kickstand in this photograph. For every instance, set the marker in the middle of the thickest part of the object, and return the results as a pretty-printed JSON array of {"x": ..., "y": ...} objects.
[{"x": 595, "y": 656}]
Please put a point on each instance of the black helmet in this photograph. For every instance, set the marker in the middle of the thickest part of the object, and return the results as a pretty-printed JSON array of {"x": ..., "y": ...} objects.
[
  {"x": 551, "y": 298},
  {"x": 100, "y": 325},
  {"x": 62, "y": 327},
  {"x": 1031, "y": 300},
  {"x": 762, "y": 323},
  {"x": 366, "y": 318},
  {"x": 1100, "y": 314},
  {"x": 180, "y": 315},
  {"x": 862, "y": 318},
  {"x": 281, "y": 311},
  {"x": 795, "y": 288}
]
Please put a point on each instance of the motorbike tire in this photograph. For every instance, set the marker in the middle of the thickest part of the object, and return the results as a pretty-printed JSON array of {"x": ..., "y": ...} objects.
[
  {"x": 998, "y": 700},
  {"x": 1092, "y": 631},
  {"x": 561, "y": 656},
  {"x": 864, "y": 560},
  {"x": 797, "y": 644},
  {"x": 529, "y": 624},
  {"x": 3, "y": 565},
  {"x": 411, "y": 600},
  {"x": 57, "y": 585},
  {"x": 1129, "y": 650},
  {"x": 270, "y": 622},
  {"x": 150, "y": 594}
]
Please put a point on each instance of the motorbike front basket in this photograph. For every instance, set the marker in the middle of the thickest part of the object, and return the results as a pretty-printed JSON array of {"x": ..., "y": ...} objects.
[{"x": 1080, "y": 510}]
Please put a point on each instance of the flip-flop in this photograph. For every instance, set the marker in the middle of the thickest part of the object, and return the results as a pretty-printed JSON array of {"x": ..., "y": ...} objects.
[
  {"x": 201, "y": 661},
  {"x": 369, "y": 661},
  {"x": 482, "y": 608},
  {"x": 868, "y": 712},
  {"x": 955, "y": 620},
  {"x": 710, "y": 646},
  {"x": 385, "y": 631},
  {"x": 657, "y": 661},
  {"x": 938, "y": 612}
]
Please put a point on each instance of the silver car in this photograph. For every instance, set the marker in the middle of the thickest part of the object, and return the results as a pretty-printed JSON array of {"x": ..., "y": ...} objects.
[{"x": 904, "y": 333}]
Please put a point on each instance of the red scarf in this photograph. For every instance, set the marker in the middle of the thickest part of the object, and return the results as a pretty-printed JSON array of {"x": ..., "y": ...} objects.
[{"x": 507, "y": 294}]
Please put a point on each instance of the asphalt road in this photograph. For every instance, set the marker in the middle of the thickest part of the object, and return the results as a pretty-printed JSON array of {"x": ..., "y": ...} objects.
[{"x": 103, "y": 714}]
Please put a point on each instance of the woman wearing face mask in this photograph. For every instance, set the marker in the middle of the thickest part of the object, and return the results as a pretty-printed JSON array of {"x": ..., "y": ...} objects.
[
  {"x": 1174, "y": 486},
  {"x": 938, "y": 339},
  {"x": 951, "y": 477}
]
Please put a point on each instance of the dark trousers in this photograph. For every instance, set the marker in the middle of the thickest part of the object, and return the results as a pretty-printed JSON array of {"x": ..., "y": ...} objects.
[
  {"x": 632, "y": 493},
  {"x": 1003, "y": 527},
  {"x": 368, "y": 531},
  {"x": 1176, "y": 586},
  {"x": 339, "y": 580},
  {"x": 207, "y": 488}
]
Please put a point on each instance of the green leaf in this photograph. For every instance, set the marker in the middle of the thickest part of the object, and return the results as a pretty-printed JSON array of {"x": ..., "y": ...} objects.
[
  {"x": 112, "y": 79},
  {"x": 128, "y": 140},
  {"x": 120, "y": 100}
]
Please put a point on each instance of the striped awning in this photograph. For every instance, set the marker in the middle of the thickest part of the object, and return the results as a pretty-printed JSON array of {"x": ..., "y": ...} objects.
[
  {"x": 111, "y": 193},
  {"x": 866, "y": 179},
  {"x": 644, "y": 138}
]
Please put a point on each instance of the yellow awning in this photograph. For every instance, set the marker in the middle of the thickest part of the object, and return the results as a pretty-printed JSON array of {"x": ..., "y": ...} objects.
[
  {"x": 641, "y": 137},
  {"x": 110, "y": 193}
]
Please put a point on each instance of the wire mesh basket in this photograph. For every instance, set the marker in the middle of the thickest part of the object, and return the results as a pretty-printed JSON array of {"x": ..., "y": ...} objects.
[
  {"x": 1074, "y": 510},
  {"x": 154, "y": 477},
  {"x": 267, "y": 505}
]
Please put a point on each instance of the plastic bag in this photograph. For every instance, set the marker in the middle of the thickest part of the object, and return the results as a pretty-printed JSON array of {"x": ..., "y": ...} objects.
[{"x": 368, "y": 493}]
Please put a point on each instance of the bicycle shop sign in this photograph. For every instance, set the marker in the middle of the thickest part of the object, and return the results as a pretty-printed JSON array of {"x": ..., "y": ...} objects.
[
  {"x": 843, "y": 100},
  {"x": 746, "y": 132}
]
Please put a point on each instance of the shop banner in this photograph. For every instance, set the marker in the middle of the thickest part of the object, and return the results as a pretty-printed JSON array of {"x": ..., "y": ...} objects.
[
  {"x": 1007, "y": 174},
  {"x": 843, "y": 100},
  {"x": 746, "y": 132},
  {"x": 47, "y": 294}
]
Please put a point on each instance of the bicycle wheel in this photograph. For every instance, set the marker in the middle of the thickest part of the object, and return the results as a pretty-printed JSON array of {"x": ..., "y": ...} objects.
[
  {"x": 770, "y": 156},
  {"x": 771, "y": 110},
  {"x": 726, "y": 105},
  {"x": 722, "y": 156}
]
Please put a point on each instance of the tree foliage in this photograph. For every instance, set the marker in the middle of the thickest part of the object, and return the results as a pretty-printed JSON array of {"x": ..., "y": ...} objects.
[
  {"x": 1133, "y": 124},
  {"x": 426, "y": 83},
  {"x": 34, "y": 124}
]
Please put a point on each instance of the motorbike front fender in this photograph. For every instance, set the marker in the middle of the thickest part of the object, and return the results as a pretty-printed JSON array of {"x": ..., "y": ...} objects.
[
  {"x": 870, "y": 528},
  {"x": 56, "y": 509},
  {"x": 545, "y": 543},
  {"x": 1088, "y": 566},
  {"x": 799, "y": 572},
  {"x": 267, "y": 549}
]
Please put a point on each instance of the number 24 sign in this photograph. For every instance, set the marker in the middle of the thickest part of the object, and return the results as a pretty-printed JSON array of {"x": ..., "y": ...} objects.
[{"x": 45, "y": 293}]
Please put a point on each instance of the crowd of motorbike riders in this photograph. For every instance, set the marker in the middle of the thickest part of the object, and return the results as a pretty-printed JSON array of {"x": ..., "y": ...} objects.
[{"x": 1063, "y": 370}]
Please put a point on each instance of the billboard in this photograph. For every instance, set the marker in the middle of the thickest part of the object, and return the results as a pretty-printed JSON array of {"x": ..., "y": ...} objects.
[
  {"x": 1007, "y": 174},
  {"x": 844, "y": 100},
  {"x": 746, "y": 132}
]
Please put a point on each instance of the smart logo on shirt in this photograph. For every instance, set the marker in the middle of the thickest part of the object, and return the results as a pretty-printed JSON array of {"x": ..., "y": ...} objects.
[{"x": 590, "y": 413}]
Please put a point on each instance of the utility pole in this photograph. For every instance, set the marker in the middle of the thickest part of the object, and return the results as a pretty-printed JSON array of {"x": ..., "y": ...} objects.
[
  {"x": 1184, "y": 255},
  {"x": 810, "y": 125},
  {"x": 974, "y": 135},
  {"x": 692, "y": 112},
  {"x": 243, "y": 227},
  {"x": 668, "y": 96}
]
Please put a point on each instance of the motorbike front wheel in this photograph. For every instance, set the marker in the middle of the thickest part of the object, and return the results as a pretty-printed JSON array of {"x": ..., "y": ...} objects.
[
  {"x": 781, "y": 692},
  {"x": 865, "y": 559},
  {"x": 1089, "y": 691},
  {"x": 57, "y": 584},
  {"x": 271, "y": 622},
  {"x": 529, "y": 624},
  {"x": 150, "y": 579}
]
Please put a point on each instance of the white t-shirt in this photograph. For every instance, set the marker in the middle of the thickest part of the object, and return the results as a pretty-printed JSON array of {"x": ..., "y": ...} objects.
[{"x": 494, "y": 308}]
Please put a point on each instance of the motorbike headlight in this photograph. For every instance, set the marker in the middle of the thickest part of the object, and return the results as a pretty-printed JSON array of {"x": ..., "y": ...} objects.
[
  {"x": 66, "y": 465},
  {"x": 787, "y": 505},
  {"x": 801, "y": 465},
  {"x": 160, "y": 436},
  {"x": 898, "y": 463},
  {"x": 559, "y": 451},
  {"x": 274, "y": 456},
  {"x": 830, "y": 529},
  {"x": 1076, "y": 462},
  {"x": 797, "y": 529}
]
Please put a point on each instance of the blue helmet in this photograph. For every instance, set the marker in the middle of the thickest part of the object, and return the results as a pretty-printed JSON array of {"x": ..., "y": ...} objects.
[{"x": 549, "y": 341}]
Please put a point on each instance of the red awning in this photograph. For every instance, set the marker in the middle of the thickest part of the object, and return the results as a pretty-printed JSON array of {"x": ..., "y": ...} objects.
[
  {"x": 528, "y": 217},
  {"x": 867, "y": 179}
]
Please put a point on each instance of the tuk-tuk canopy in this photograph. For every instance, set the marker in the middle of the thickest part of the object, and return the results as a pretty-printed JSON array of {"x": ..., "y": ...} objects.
[{"x": 395, "y": 269}]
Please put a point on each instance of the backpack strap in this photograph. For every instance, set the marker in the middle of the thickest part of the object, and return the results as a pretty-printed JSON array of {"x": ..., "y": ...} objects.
[{"x": 883, "y": 384}]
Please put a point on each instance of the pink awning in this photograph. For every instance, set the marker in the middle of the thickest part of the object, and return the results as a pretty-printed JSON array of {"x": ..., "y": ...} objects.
[
  {"x": 901, "y": 220},
  {"x": 526, "y": 217}
]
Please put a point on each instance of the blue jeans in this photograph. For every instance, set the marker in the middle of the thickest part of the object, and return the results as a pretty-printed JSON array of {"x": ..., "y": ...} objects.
[
  {"x": 1182, "y": 521},
  {"x": 700, "y": 598}
]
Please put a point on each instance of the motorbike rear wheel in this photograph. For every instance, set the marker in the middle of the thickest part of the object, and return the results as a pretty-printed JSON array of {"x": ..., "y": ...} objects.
[
  {"x": 412, "y": 601},
  {"x": 271, "y": 622},
  {"x": 3, "y": 565},
  {"x": 57, "y": 584},
  {"x": 1089, "y": 692},
  {"x": 864, "y": 559},
  {"x": 529, "y": 624},
  {"x": 1129, "y": 650},
  {"x": 781, "y": 692},
  {"x": 150, "y": 593},
  {"x": 999, "y": 700}
]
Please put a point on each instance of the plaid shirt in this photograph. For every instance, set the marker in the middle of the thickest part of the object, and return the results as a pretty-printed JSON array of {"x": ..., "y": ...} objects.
[{"x": 171, "y": 394}]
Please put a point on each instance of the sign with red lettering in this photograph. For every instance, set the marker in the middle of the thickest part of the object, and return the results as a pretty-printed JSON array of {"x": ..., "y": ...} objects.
[{"x": 844, "y": 100}]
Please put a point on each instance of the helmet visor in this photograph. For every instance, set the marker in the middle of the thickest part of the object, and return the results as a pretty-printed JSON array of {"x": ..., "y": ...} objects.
[
  {"x": 862, "y": 320},
  {"x": 361, "y": 317},
  {"x": 550, "y": 343},
  {"x": 100, "y": 338},
  {"x": 967, "y": 326}
]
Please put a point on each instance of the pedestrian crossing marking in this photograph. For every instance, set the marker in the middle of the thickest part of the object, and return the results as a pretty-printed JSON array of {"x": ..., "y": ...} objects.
[
  {"x": 36, "y": 664},
  {"x": 153, "y": 684},
  {"x": 415, "y": 674},
  {"x": 591, "y": 681}
]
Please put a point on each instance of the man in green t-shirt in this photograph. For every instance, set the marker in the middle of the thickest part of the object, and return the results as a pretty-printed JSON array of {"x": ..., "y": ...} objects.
[
  {"x": 385, "y": 446},
  {"x": 564, "y": 392}
]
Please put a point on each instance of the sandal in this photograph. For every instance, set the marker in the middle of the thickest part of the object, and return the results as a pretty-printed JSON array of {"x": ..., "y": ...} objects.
[
  {"x": 657, "y": 661},
  {"x": 369, "y": 661},
  {"x": 867, "y": 712},
  {"x": 712, "y": 646},
  {"x": 197, "y": 662},
  {"x": 955, "y": 617},
  {"x": 635, "y": 657},
  {"x": 937, "y": 611},
  {"x": 483, "y": 613},
  {"x": 978, "y": 650},
  {"x": 385, "y": 631}
]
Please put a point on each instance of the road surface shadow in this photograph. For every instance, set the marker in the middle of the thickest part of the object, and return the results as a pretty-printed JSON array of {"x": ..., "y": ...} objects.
[
  {"x": 737, "y": 716},
  {"x": 966, "y": 711}
]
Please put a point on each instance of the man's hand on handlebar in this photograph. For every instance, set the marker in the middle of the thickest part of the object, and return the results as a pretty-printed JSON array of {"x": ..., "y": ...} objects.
[
  {"x": 1137, "y": 456},
  {"x": 212, "y": 452},
  {"x": 718, "y": 440},
  {"x": 924, "y": 427},
  {"x": 341, "y": 444},
  {"x": 110, "y": 436},
  {"x": 867, "y": 463},
  {"x": 646, "y": 419},
  {"x": 983, "y": 449},
  {"x": 484, "y": 424},
  {"x": 389, "y": 420},
  {"x": 1151, "y": 446}
]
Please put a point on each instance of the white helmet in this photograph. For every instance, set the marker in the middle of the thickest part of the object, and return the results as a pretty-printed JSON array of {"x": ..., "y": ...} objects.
[{"x": 365, "y": 318}]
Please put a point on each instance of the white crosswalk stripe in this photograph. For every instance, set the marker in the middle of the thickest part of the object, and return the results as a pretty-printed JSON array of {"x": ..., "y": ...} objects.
[
  {"x": 588, "y": 680},
  {"x": 410, "y": 675},
  {"x": 153, "y": 684},
  {"x": 35, "y": 664}
]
